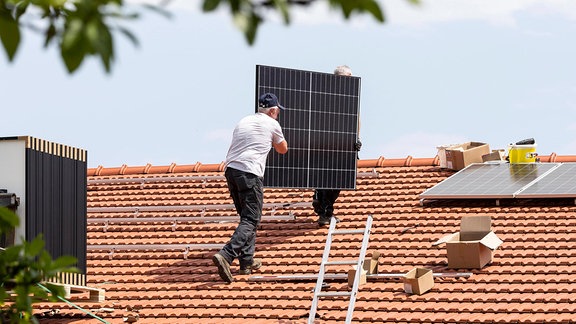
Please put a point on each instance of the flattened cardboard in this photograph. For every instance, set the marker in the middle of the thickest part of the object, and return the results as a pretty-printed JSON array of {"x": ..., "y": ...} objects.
[
  {"x": 491, "y": 241},
  {"x": 496, "y": 155},
  {"x": 418, "y": 281},
  {"x": 447, "y": 238}
]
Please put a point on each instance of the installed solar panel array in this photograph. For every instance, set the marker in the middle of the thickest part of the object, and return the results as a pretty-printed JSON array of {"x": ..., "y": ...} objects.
[
  {"x": 503, "y": 180},
  {"x": 561, "y": 182},
  {"x": 320, "y": 123}
]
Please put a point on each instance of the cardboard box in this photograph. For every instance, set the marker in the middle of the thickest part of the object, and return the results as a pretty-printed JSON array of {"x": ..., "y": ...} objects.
[
  {"x": 473, "y": 247},
  {"x": 371, "y": 266},
  {"x": 418, "y": 281},
  {"x": 496, "y": 155},
  {"x": 460, "y": 156},
  {"x": 371, "y": 263},
  {"x": 352, "y": 274},
  {"x": 442, "y": 154}
]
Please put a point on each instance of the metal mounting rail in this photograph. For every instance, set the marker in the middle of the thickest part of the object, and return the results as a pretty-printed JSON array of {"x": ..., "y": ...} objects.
[
  {"x": 348, "y": 232},
  {"x": 369, "y": 277},
  {"x": 346, "y": 262},
  {"x": 176, "y": 219},
  {"x": 137, "y": 209},
  {"x": 153, "y": 246},
  {"x": 335, "y": 294},
  {"x": 371, "y": 174},
  {"x": 184, "y": 219},
  {"x": 186, "y": 248}
]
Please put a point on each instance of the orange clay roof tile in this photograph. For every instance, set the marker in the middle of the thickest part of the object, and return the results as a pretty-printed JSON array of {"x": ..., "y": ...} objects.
[{"x": 531, "y": 279}]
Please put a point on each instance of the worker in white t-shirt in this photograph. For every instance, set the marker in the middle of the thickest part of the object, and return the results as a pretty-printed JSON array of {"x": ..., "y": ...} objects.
[{"x": 252, "y": 140}]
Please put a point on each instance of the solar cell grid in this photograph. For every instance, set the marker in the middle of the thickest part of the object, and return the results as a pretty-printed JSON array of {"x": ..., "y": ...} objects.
[
  {"x": 320, "y": 123},
  {"x": 561, "y": 182},
  {"x": 492, "y": 180}
]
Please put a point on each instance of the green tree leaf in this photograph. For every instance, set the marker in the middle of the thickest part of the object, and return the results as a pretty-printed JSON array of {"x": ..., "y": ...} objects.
[
  {"x": 282, "y": 6},
  {"x": 62, "y": 262},
  {"x": 22, "y": 268},
  {"x": 72, "y": 48},
  {"x": 104, "y": 46},
  {"x": 248, "y": 24},
  {"x": 84, "y": 28},
  {"x": 373, "y": 7},
  {"x": 8, "y": 220},
  {"x": 159, "y": 10},
  {"x": 129, "y": 35},
  {"x": 35, "y": 247},
  {"x": 210, "y": 5},
  {"x": 361, "y": 6},
  {"x": 9, "y": 33},
  {"x": 55, "y": 290},
  {"x": 49, "y": 34}
]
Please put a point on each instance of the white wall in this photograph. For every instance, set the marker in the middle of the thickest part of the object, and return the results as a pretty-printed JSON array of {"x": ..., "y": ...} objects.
[{"x": 13, "y": 177}]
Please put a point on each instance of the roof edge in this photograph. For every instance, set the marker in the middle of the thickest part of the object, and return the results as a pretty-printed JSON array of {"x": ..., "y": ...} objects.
[{"x": 367, "y": 163}]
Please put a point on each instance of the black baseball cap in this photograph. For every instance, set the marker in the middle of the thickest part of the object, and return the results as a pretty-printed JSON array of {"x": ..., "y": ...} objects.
[{"x": 268, "y": 100}]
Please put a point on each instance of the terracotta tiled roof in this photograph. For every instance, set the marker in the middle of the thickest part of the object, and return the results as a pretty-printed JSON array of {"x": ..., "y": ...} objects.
[{"x": 531, "y": 280}]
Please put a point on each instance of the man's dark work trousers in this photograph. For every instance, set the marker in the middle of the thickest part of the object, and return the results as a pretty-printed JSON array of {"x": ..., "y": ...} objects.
[{"x": 248, "y": 196}]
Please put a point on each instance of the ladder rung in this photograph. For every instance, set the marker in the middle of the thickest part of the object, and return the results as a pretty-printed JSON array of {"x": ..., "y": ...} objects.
[
  {"x": 334, "y": 294},
  {"x": 348, "y": 232},
  {"x": 320, "y": 279},
  {"x": 344, "y": 262}
]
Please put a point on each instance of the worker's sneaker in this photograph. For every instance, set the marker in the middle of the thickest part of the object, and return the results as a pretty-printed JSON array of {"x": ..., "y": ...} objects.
[
  {"x": 324, "y": 220},
  {"x": 223, "y": 267},
  {"x": 256, "y": 264}
]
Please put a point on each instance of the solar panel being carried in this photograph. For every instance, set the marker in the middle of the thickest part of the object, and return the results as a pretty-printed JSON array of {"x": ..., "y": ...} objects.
[{"x": 320, "y": 124}]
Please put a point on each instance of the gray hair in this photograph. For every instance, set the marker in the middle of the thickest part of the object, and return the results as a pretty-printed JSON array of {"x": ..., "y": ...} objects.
[{"x": 343, "y": 70}]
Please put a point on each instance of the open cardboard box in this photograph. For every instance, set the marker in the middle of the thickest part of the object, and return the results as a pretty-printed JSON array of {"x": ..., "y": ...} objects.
[
  {"x": 369, "y": 267},
  {"x": 418, "y": 281},
  {"x": 460, "y": 156},
  {"x": 473, "y": 247}
]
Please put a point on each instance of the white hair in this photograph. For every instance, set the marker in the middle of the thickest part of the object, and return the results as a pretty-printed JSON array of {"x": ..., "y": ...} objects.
[
  {"x": 265, "y": 110},
  {"x": 343, "y": 70}
]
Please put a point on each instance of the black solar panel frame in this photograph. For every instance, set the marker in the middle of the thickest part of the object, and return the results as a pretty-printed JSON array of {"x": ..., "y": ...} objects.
[{"x": 320, "y": 124}]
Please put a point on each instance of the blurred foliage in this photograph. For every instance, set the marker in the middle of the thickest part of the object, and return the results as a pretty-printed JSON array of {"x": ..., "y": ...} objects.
[
  {"x": 22, "y": 268},
  {"x": 249, "y": 14},
  {"x": 82, "y": 28}
]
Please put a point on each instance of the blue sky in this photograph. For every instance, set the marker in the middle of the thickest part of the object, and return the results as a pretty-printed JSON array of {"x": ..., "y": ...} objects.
[{"x": 445, "y": 72}]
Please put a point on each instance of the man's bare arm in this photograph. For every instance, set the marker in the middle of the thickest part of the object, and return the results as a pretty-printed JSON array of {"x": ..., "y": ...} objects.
[{"x": 281, "y": 147}]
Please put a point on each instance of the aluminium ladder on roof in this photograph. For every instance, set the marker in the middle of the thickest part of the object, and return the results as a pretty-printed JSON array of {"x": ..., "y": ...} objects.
[{"x": 359, "y": 266}]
